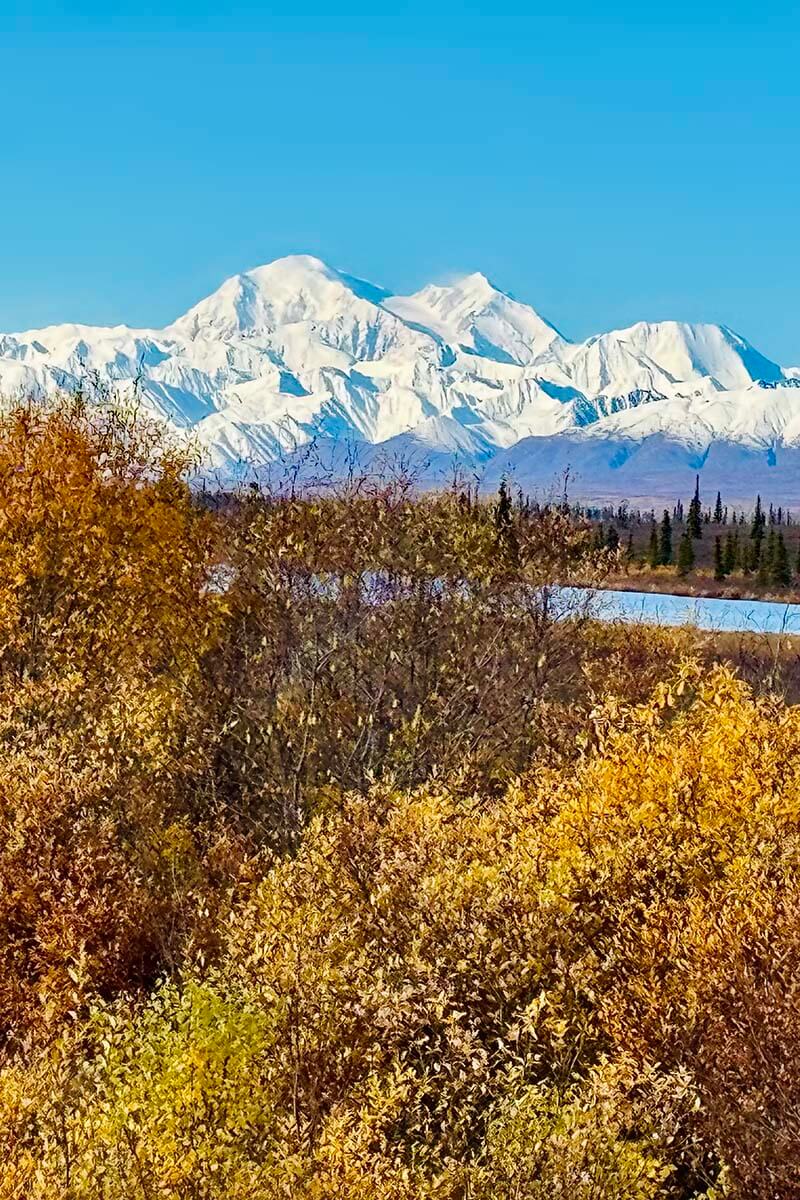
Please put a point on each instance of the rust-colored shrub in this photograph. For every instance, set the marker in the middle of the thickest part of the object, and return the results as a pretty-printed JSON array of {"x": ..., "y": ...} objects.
[{"x": 104, "y": 624}]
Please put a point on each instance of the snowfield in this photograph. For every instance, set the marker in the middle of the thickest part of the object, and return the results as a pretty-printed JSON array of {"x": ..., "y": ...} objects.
[{"x": 297, "y": 366}]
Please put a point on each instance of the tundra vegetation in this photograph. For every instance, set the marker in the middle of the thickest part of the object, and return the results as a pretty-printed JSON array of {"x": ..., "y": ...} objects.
[{"x": 337, "y": 863}]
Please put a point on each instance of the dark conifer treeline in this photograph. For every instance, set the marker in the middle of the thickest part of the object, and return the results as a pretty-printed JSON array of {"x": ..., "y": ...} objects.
[{"x": 762, "y": 546}]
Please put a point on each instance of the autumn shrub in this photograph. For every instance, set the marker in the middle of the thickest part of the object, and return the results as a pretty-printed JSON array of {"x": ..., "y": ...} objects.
[
  {"x": 387, "y": 635},
  {"x": 177, "y": 684},
  {"x": 104, "y": 623},
  {"x": 342, "y": 855},
  {"x": 582, "y": 985}
]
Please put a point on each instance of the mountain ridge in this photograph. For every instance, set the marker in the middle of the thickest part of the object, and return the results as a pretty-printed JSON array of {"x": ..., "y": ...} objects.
[{"x": 296, "y": 351}]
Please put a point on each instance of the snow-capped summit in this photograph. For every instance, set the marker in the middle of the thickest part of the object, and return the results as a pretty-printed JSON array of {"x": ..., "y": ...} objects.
[
  {"x": 284, "y": 292},
  {"x": 666, "y": 353},
  {"x": 475, "y": 315},
  {"x": 297, "y": 350}
]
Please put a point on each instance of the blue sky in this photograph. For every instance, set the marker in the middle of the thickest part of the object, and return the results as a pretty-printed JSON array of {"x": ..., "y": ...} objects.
[{"x": 606, "y": 163}]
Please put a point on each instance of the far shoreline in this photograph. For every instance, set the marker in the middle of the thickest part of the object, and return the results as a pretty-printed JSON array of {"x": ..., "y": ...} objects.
[{"x": 699, "y": 585}]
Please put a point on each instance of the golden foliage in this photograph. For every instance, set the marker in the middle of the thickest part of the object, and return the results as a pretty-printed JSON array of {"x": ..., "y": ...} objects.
[
  {"x": 103, "y": 629},
  {"x": 333, "y": 865},
  {"x": 446, "y": 994}
]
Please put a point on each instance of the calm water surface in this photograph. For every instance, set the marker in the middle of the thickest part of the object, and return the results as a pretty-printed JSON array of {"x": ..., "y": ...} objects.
[{"x": 651, "y": 608}]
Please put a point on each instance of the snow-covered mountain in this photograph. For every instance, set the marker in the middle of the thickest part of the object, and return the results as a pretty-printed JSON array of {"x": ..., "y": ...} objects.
[{"x": 297, "y": 363}]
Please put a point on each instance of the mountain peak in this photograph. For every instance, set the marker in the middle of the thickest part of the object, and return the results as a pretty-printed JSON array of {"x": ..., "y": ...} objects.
[
  {"x": 685, "y": 349},
  {"x": 292, "y": 267},
  {"x": 296, "y": 349},
  {"x": 476, "y": 315},
  {"x": 299, "y": 270},
  {"x": 306, "y": 261},
  {"x": 297, "y": 287},
  {"x": 476, "y": 282},
  {"x": 474, "y": 289}
]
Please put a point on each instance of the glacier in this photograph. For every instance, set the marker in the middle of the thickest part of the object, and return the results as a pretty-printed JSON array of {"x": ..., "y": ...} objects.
[{"x": 295, "y": 369}]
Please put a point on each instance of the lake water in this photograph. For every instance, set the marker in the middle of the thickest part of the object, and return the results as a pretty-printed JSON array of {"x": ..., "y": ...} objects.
[
  {"x": 646, "y": 608},
  {"x": 651, "y": 608}
]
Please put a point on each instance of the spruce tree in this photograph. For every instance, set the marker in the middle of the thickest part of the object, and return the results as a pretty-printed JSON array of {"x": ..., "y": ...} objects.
[
  {"x": 653, "y": 552},
  {"x": 504, "y": 524},
  {"x": 757, "y": 557},
  {"x": 766, "y": 557},
  {"x": 665, "y": 540},
  {"x": 729, "y": 554},
  {"x": 612, "y": 539},
  {"x": 758, "y": 522},
  {"x": 719, "y": 565},
  {"x": 718, "y": 510},
  {"x": 694, "y": 517},
  {"x": 502, "y": 512},
  {"x": 685, "y": 560},
  {"x": 781, "y": 571}
]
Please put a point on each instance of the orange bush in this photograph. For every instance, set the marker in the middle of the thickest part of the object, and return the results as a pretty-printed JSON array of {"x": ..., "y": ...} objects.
[{"x": 104, "y": 623}]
